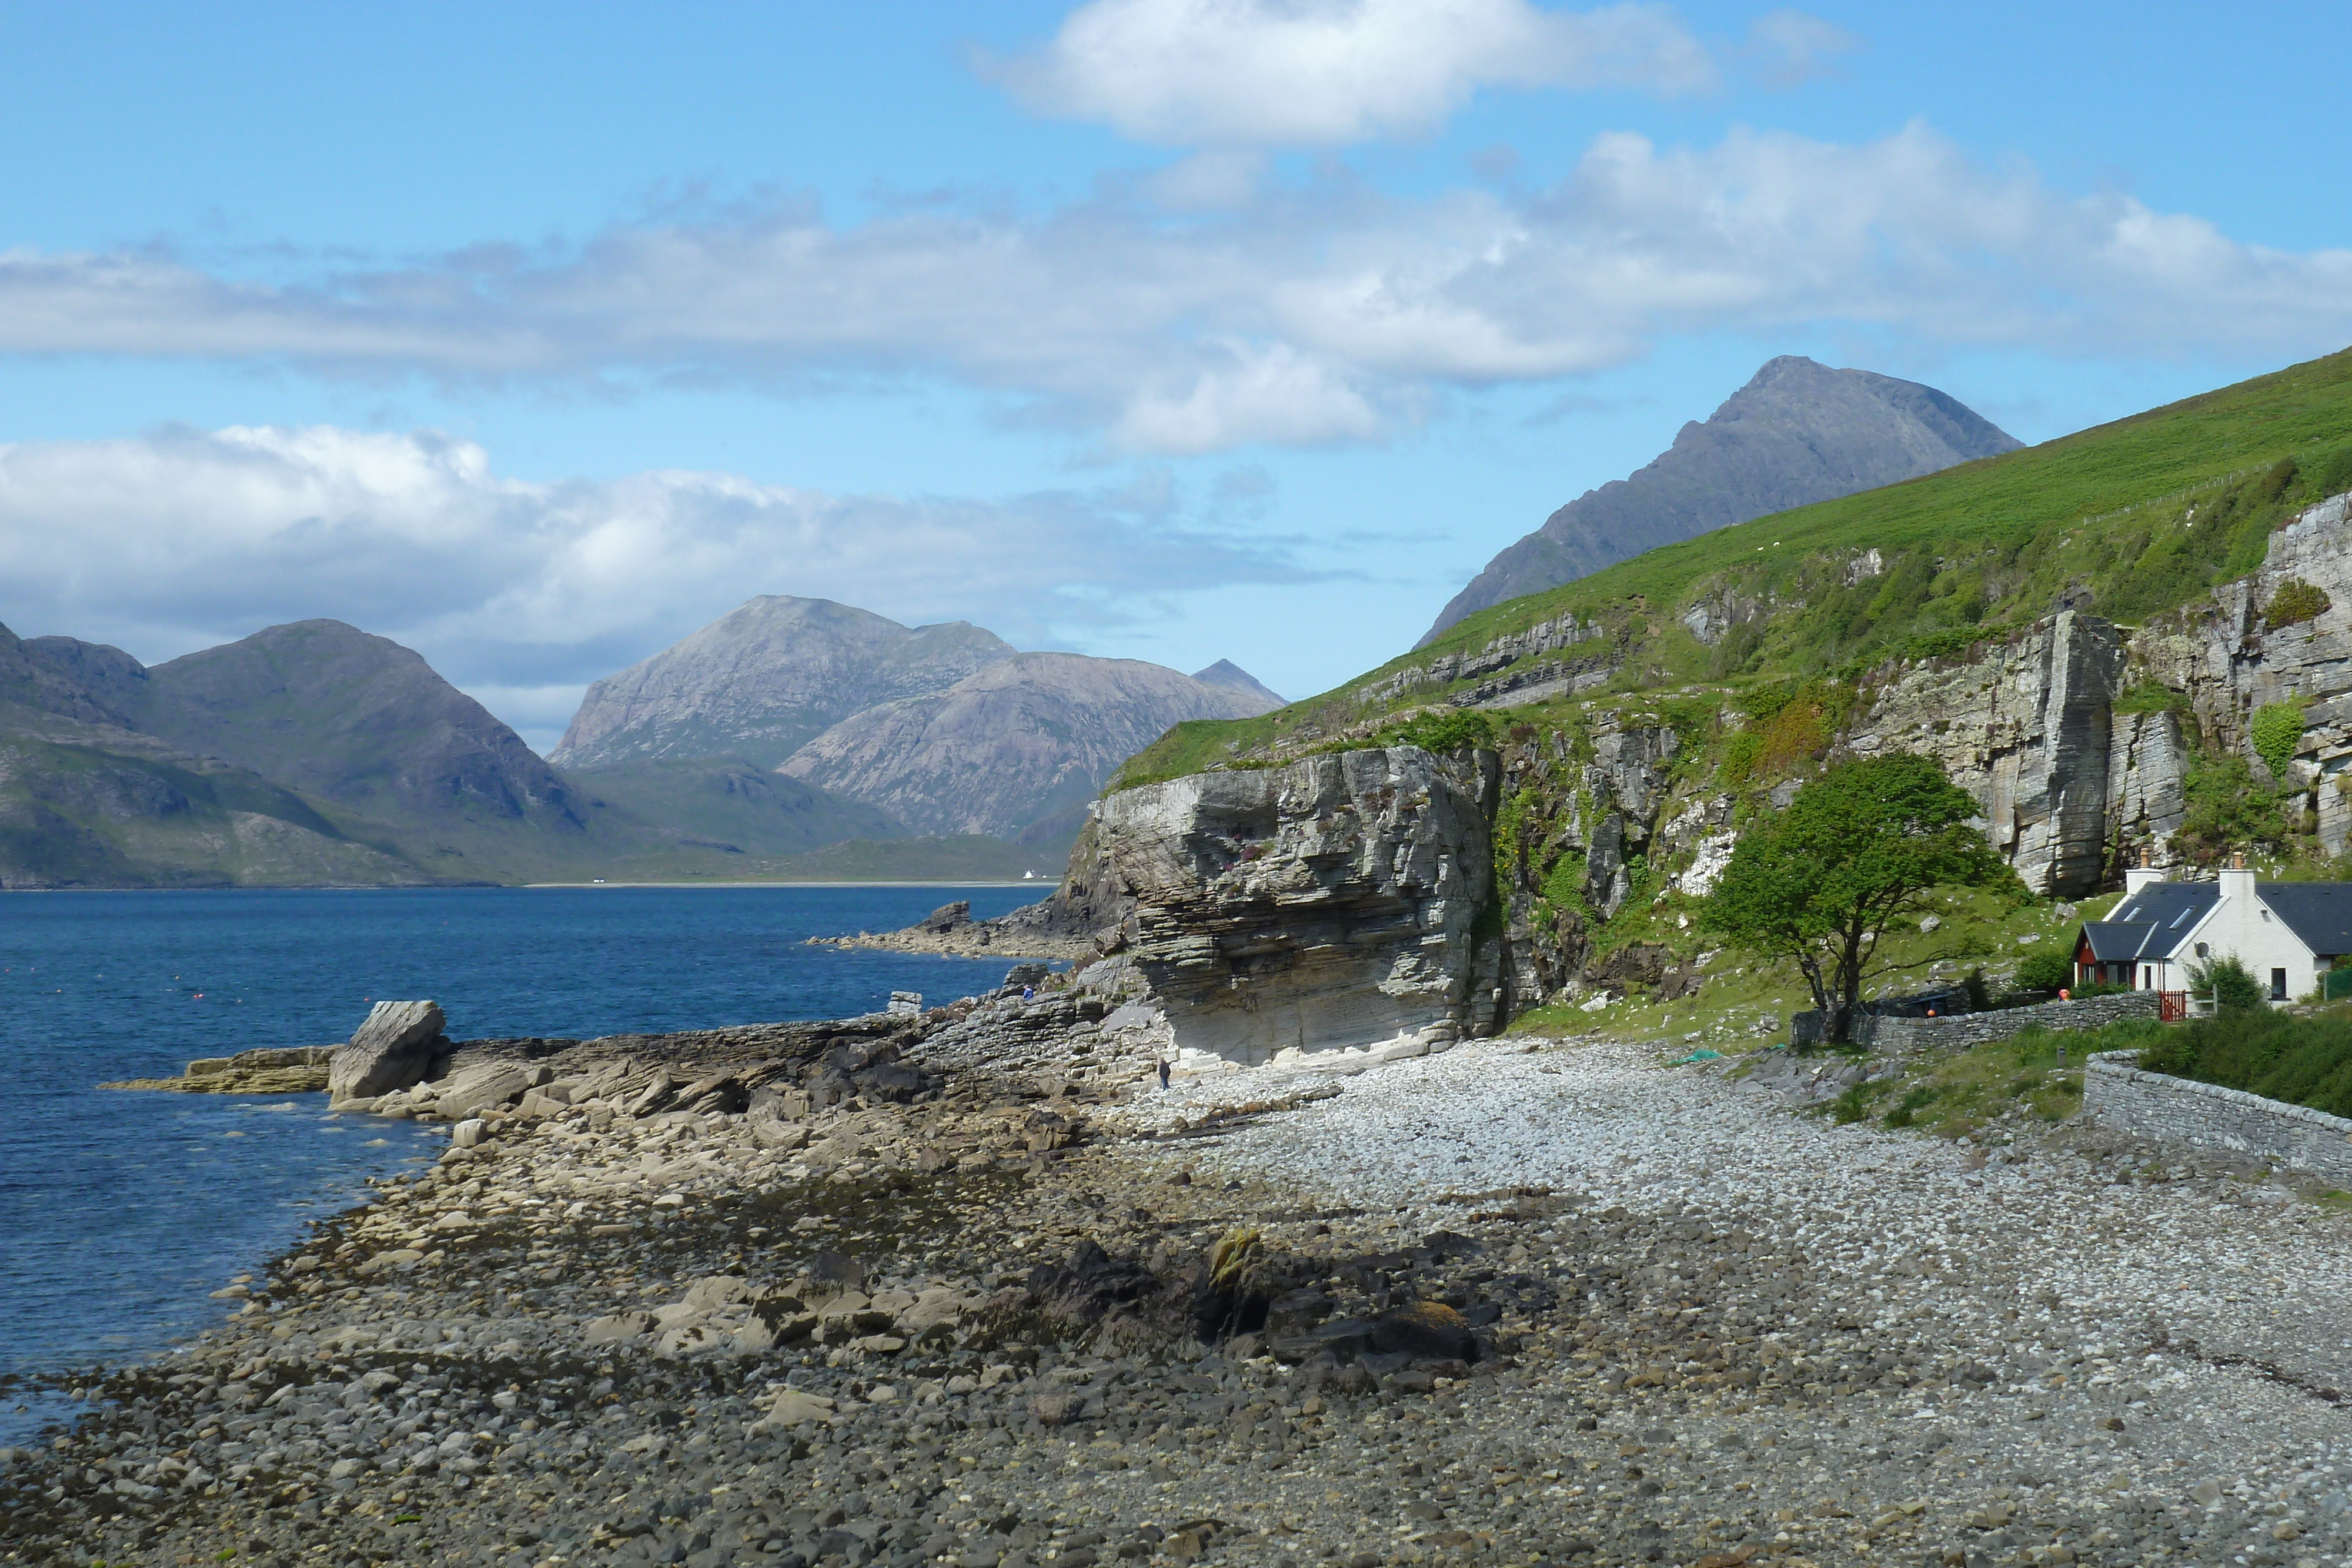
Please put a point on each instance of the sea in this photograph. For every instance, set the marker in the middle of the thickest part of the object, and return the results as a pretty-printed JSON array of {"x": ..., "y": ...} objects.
[{"x": 121, "y": 1212}]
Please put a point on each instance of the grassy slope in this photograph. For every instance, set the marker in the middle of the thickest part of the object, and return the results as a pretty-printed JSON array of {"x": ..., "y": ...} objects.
[{"x": 2103, "y": 514}]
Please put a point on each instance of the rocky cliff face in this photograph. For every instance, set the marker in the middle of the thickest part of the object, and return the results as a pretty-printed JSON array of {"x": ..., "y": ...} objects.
[
  {"x": 2078, "y": 737},
  {"x": 2027, "y": 729},
  {"x": 1326, "y": 907},
  {"x": 1796, "y": 434},
  {"x": 762, "y": 682},
  {"x": 1025, "y": 742}
]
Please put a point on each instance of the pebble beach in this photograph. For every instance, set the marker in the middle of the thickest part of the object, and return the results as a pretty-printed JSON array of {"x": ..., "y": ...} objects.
[{"x": 1522, "y": 1301}]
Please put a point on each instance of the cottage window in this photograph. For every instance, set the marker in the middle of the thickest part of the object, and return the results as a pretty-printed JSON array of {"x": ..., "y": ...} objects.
[{"x": 2278, "y": 985}]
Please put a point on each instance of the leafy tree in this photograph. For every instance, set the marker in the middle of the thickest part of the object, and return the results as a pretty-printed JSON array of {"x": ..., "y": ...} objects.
[
  {"x": 1862, "y": 846},
  {"x": 2229, "y": 982},
  {"x": 2046, "y": 969}
]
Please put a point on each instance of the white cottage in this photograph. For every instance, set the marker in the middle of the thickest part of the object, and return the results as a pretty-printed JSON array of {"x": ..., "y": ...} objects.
[{"x": 2287, "y": 933}]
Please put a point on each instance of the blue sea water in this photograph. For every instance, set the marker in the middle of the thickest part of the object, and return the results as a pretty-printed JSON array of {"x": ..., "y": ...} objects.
[{"x": 119, "y": 1213}]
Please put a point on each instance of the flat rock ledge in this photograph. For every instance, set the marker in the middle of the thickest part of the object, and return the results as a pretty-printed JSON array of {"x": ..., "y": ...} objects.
[
  {"x": 1522, "y": 1302},
  {"x": 949, "y": 929},
  {"x": 290, "y": 1069}
]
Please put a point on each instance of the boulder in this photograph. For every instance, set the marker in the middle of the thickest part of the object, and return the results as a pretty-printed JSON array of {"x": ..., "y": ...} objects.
[
  {"x": 394, "y": 1048},
  {"x": 479, "y": 1089}
]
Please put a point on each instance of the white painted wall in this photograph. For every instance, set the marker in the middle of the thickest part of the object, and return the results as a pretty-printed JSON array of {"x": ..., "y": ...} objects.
[
  {"x": 2239, "y": 923},
  {"x": 2242, "y": 924}
]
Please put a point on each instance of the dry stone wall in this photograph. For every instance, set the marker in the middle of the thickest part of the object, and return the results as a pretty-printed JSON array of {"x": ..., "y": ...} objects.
[
  {"x": 1966, "y": 1032},
  {"x": 2117, "y": 1093}
]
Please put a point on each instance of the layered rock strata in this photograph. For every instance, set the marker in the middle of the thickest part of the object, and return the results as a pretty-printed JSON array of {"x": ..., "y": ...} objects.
[{"x": 1322, "y": 906}]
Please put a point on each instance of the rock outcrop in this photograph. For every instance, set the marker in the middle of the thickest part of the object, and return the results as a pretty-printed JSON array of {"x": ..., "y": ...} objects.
[
  {"x": 2025, "y": 728},
  {"x": 394, "y": 1048},
  {"x": 1324, "y": 906}
]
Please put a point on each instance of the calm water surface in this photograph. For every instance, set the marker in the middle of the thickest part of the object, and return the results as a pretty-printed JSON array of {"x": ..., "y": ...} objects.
[{"x": 119, "y": 1213}]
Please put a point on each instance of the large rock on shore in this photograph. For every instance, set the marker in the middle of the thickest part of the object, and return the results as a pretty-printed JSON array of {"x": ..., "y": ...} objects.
[
  {"x": 1324, "y": 905},
  {"x": 393, "y": 1049}
]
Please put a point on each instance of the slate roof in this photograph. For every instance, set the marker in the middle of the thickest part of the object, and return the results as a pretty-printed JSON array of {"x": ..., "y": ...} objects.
[
  {"x": 2154, "y": 922},
  {"x": 2320, "y": 913}
]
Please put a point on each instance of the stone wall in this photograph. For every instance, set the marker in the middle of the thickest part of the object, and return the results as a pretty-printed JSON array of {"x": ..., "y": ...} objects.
[
  {"x": 1965, "y": 1031},
  {"x": 2163, "y": 1109}
]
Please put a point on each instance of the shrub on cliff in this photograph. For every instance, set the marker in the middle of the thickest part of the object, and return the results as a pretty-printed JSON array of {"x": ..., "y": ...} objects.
[
  {"x": 2277, "y": 730},
  {"x": 1441, "y": 732},
  {"x": 2294, "y": 603},
  {"x": 1865, "y": 845}
]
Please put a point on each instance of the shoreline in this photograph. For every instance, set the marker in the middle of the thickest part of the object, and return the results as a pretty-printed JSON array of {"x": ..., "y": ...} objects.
[{"x": 981, "y": 1322}]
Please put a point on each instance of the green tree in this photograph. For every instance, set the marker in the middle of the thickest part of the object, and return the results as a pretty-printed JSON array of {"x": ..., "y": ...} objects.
[
  {"x": 2229, "y": 982},
  {"x": 2046, "y": 969},
  {"x": 1865, "y": 845}
]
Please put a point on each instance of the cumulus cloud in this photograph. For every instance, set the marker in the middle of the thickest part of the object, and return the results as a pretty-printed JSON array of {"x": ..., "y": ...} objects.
[
  {"x": 523, "y": 591},
  {"x": 1287, "y": 73},
  {"x": 1304, "y": 315}
]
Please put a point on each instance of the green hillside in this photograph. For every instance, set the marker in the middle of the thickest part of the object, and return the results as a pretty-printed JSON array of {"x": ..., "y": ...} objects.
[{"x": 2124, "y": 519}]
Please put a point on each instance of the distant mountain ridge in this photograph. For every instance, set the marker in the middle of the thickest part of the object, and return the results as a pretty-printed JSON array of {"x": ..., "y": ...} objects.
[
  {"x": 1797, "y": 433},
  {"x": 314, "y": 753},
  {"x": 764, "y": 680},
  {"x": 946, "y": 729},
  {"x": 1023, "y": 744}
]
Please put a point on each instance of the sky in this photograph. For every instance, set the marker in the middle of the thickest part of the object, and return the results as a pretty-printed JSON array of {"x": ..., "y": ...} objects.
[{"x": 536, "y": 337}]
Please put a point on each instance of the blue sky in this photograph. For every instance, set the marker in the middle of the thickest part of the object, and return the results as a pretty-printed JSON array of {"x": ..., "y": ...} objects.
[{"x": 537, "y": 337}]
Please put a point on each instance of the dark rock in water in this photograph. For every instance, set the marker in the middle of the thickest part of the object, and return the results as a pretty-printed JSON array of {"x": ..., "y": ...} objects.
[
  {"x": 947, "y": 918},
  {"x": 394, "y": 1048}
]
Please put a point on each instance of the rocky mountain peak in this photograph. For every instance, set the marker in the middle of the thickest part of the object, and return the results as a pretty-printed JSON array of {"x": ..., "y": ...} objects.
[
  {"x": 1232, "y": 677},
  {"x": 1797, "y": 433},
  {"x": 761, "y": 681}
]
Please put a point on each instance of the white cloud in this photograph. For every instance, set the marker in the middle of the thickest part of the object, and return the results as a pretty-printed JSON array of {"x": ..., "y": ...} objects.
[
  {"x": 1304, "y": 315},
  {"x": 1793, "y": 47},
  {"x": 523, "y": 591},
  {"x": 1327, "y": 72}
]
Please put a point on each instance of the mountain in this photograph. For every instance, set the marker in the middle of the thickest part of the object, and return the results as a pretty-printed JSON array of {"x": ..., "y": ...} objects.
[
  {"x": 2125, "y": 520},
  {"x": 1016, "y": 749},
  {"x": 315, "y": 753},
  {"x": 86, "y": 800},
  {"x": 1797, "y": 433},
  {"x": 1232, "y": 677},
  {"x": 728, "y": 803},
  {"x": 759, "y": 683}
]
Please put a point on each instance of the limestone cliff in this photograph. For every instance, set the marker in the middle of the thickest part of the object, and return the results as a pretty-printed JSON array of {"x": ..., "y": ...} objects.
[
  {"x": 1327, "y": 905},
  {"x": 2026, "y": 727}
]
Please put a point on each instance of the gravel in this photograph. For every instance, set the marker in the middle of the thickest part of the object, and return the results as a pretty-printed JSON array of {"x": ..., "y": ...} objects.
[{"x": 1708, "y": 1331}]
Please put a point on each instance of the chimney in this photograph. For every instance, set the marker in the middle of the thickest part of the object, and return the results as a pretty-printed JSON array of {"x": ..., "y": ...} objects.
[
  {"x": 2140, "y": 875},
  {"x": 2236, "y": 881}
]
